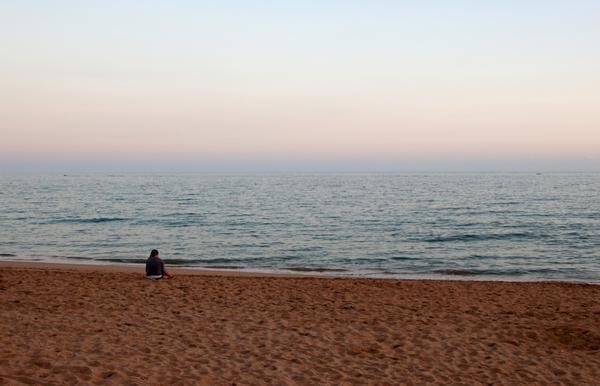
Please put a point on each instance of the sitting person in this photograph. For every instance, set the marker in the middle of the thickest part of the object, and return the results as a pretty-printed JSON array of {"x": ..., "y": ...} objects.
[{"x": 155, "y": 268}]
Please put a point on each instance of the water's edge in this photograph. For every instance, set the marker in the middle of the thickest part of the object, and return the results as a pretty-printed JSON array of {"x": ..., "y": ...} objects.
[{"x": 308, "y": 272}]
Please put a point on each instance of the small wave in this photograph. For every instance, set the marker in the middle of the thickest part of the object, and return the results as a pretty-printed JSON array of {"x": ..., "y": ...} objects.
[
  {"x": 479, "y": 237},
  {"x": 184, "y": 199},
  {"x": 316, "y": 269},
  {"x": 179, "y": 224},
  {"x": 285, "y": 257},
  {"x": 457, "y": 272},
  {"x": 7, "y": 255},
  {"x": 127, "y": 261},
  {"x": 333, "y": 237},
  {"x": 400, "y": 258},
  {"x": 362, "y": 260},
  {"x": 512, "y": 272},
  {"x": 167, "y": 261},
  {"x": 592, "y": 216},
  {"x": 314, "y": 248},
  {"x": 225, "y": 261},
  {"x": 224, "y": 266},
  {"x": 73, "y": 257},
  {"x": 467, "y": 224},
  {"x": 483, "y": 257},
  {"x": 89, "y": 220},
  {"x": 251, "y": 245},
  {"x": 102, "y": 219},
  {"x": 455, "y": 208},
  {"x": 217, "y": 260}
]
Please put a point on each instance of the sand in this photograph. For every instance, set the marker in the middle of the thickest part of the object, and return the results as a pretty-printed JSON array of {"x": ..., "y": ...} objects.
[{"x": 92, "y": 325}]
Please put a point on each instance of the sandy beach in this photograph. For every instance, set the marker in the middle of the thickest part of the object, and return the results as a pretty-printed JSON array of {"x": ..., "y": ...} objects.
[{"x": 67, "y": 324}]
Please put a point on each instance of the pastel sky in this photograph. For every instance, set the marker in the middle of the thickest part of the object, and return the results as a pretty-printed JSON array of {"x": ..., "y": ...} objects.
[{"x": 300, "y": 85}]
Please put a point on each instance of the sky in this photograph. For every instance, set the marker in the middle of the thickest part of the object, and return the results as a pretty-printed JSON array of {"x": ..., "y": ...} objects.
[{"x": 299, "y": 86}]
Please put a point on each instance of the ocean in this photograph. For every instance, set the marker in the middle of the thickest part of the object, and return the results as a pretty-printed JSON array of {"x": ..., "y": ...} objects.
[{"x": 460, "y": 226}]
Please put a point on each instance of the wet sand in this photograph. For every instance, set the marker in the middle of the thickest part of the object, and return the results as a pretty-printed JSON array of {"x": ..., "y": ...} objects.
[{"x": 67, "y": 324}]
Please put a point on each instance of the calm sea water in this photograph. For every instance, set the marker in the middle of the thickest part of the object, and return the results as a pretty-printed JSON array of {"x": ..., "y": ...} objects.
[{"x": 478, "y": 226}]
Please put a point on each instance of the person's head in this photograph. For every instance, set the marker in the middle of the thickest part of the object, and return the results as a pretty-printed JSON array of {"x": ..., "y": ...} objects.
[{"x": 154, "y": 253}]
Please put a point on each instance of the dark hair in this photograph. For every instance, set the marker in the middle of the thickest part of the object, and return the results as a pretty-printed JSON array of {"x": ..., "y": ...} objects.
[{"x": 154, "y": 253}]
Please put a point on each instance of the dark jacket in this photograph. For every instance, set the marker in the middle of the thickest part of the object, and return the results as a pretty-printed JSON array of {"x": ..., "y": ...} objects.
[{"x": 155, "y": 266}]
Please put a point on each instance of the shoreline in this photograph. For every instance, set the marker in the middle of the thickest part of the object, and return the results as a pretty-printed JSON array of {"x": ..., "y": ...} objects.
[
  {"x": 139, "y": 269},
  {"x": 206, "y": 271}
]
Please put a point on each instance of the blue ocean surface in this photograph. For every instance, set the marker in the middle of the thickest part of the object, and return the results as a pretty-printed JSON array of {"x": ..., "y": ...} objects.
[{"x": 475, "y": 226}]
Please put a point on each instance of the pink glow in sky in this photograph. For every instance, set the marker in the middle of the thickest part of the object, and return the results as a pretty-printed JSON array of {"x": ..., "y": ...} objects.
[{"x": 379, "y": 84}]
